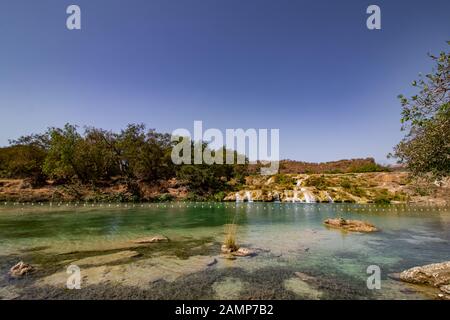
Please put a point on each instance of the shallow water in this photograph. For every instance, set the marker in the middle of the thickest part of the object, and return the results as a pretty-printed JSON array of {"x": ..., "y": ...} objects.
[{"x": 287, "y": 238}]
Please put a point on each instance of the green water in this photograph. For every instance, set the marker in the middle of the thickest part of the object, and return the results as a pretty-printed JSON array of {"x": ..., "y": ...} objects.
[{"x": 287, "y": 238}]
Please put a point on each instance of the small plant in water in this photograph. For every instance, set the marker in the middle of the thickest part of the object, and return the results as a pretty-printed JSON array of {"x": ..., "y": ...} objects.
[{"x": 230, "y": 237}]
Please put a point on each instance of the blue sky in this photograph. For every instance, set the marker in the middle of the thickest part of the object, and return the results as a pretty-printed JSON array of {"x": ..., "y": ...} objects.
[{"x": 310, "y": 68}]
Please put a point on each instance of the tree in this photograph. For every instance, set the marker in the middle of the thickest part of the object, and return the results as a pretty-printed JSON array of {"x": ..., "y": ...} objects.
[
  {"x": 426, "y": 117},
  {"x": 100, "y": 161},
  {"x": 23, "y": 161},
  {"x": 145, "y": 155},
  {"x": 64, "y": 161},
  {"x": 24, "y": 158}
]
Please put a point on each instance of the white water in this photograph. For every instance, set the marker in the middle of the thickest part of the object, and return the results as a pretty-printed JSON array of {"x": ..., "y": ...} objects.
[
  {"x": 276, "y": 197},
  {"x": 295, "y": 197},
  {"x": 248, "y": 196},
  {"x": 238, "y": 197},
  {"x": 299, "y": 182},
  {"x": 330, "y": 199},
  {"x": 309, "y": 197}
]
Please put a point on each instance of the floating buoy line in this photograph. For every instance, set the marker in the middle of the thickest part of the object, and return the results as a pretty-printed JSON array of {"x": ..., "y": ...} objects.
[{"x": 336, "y": 207}]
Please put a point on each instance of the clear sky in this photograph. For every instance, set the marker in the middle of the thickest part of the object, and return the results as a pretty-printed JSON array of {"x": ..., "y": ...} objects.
[{"x": 310, "y": 68}]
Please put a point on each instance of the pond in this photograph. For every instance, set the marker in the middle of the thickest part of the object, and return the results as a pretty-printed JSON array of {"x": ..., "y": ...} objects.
[{"x": 295, "y": 255}]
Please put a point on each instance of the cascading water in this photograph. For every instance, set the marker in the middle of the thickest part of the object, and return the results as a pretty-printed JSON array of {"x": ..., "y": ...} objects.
[
  {"x": 309, "y": 197},
  {"x": 276, "y": 196},
  {"x": 248, "y": 196},
  {"x": 299, "y": 182},
  {"x": 238, "y": 197},
  {"x": 330, "y": 199},
  {"x": 295, "y": 197}
]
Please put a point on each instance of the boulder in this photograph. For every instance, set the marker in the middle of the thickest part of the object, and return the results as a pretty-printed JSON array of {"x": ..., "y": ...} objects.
[
  {"x": 243, "y": 252},
  {"x": 445, "y": 289},
  {"x": 21, "y": 269},
  {"x": 227, "y": 249},
  {"x": 436, "y": 274},
  {"x": 238, "y": 252},
  {"x": 153, "y": 239},
  {"x": 350, "y": 225}
]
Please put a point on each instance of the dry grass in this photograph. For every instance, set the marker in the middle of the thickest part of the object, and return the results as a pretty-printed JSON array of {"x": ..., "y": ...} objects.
[{"x": 230, "y": 236}]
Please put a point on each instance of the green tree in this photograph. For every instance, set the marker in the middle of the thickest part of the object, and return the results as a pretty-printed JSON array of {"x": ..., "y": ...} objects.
[
  {"x": 64, "y": 161},
  {"x": 426, "y": 117},
  {"x": 145, "y": 155},
  {"x": 23, "y": 161}
]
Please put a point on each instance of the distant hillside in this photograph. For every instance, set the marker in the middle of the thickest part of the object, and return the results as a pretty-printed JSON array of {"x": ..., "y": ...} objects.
[{"x": 340, "y": 166}]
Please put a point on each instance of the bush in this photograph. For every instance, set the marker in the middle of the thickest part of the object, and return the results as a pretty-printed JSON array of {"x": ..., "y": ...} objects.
[{"x": 320, "y": 182}]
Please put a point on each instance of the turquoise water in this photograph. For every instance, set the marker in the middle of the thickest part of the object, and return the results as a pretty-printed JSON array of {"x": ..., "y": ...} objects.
[{"x": 286, "y": 239}]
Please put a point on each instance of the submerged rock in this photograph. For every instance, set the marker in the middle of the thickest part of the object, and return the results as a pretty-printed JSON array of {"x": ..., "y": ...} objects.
[
  {"x": 302, "y": 289},
  {"x": 139, "y": 273},
  {"x": 107, "y": 258},
  {"x": 436, "y": 275},
  {"x": 303, "y": 276},
  {"x": 350, "y": 225},
  {"x": 210, "y": 264},
  {"x": 229, "y": 256},
  {"x": 154, "y": 239},
  {"x": 21, "y": 269},
  {"x": 228, "y": 289}
]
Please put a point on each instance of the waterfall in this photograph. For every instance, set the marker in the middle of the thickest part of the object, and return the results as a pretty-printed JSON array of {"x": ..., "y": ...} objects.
[
  {"x": 330, "y": 199},
  {"x": 295, "y": 197},
  {"x": 299, "y": 182},
  {"x": 309, "y": 197},
  {"x": 277, "y": 197},
  {"x": 238, "y": 197},
  {"x": 248, "y": 196}
]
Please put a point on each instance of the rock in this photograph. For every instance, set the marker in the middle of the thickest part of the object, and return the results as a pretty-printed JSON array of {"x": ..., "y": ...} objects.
[
  {"x": 303, "y": 276},
  {"x": 238, "y": 252},
  {"x": 436, "y": 275},
  {"x": 9, "y": 293},
  {"x": 229, "y": 256},
  {"x": 154, "y": 239},
  {"x": 228, "y": 289},
  {"x": 107, "y": 258},
  {"x": 243, "y": 252},
  {"x": 226, "y": 249},
  {"x": 139, "y": 273},
  {"x": 350, "y": 225},
  {"x": 445, "y": 289},
  {"x": 394, "y": 276},
  {"x": 303, "y": 289},
  {"x": 212, "y": 263},
  {"x": 21, "y": 269}
]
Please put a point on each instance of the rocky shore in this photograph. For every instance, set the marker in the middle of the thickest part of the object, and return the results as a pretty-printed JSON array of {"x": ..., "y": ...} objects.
[
  {"x": 436, "y": 275},
  {"x": 377, "y": 187}
]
